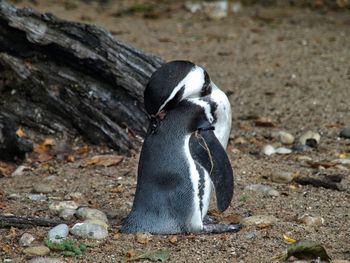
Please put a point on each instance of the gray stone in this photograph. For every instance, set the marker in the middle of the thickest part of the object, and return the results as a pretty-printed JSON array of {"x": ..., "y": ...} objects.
[
  {"x": 58, "y": 233},
  {"x": 301, "y": 147},
  {"x": 282, "y": 177},
  {"x": 91, "y": 231},
  {"x": 67, "y": 213},
  {"x": 345, "y": 133},
  {"x": 26, "y": 239},
  {"x": 42, "y": 188},
  {"x": 46, "y": 260},
  {"x": 37, "y": 197},
  {"x": 37, "y": 251},
  {"x": 259, "y": 219},
  {"x": 58, "y": 206},
  {"x": 311, "y": 220},
  {"x": 91, "y": 213},
  {"x": 283, "y": 150},
  {"x": 250, "y": 235},
  {"x": 262, "y": 189}
]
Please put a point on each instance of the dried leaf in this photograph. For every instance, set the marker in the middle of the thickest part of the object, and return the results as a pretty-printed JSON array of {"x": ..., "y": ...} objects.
[
  {"x": 117, "y": 189},
  {"x": 104, "y": 160},
  {"x": 49, "y": 142},
  {"x": 263, "y": 226},
  {"x": 264, "y": 122},
  {"x": 42, "y": 150},
  {"x": 20, "y": 133},
  {"x": 6, "y": 169},
  {"x": 131, "y": 253},
  {"x": 156, "y": 255},
  {"x": 325, "y": 163},
  {"x": 71, "y": 158},
  {"x": 231, "y": 219},
  {"x": 143, "y": 238},
  {"x": 173, "y": 239},
  {"x": 116, "y": 236},
  {"x": 83, "y": 150}
]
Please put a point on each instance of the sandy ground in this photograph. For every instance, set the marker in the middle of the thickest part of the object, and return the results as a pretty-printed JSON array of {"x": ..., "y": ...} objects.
[{"x": 287, "y": 64}]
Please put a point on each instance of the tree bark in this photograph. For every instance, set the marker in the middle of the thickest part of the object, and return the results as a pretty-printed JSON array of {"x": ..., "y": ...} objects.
[
  {"x": 73, "y": 78},
  {"x": 26, "y": 222}
]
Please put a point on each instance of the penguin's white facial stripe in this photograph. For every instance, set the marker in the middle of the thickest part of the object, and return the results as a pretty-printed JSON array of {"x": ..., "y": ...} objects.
[
  {"x": 206, "y": 106},
  {"x": 193, "y": 84}
]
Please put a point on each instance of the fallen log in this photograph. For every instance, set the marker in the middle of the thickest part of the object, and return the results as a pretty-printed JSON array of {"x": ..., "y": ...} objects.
[{"x": 72, "y": 78}]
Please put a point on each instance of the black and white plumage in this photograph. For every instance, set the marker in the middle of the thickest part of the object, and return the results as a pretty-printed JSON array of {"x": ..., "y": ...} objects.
[
  {"x": 179, "y": 80},
  {"x": 181, "y": 156}
]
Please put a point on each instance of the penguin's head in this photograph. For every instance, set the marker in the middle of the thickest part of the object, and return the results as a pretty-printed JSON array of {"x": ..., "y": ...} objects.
[{"x": 173, "y": 82}]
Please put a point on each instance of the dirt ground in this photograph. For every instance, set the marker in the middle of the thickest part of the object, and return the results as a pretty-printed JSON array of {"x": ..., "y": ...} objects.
[{"x": 287, "y": 64}]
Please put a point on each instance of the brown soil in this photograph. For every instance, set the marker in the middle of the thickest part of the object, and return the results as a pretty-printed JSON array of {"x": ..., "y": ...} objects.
[{"x": 291, "y": 65}]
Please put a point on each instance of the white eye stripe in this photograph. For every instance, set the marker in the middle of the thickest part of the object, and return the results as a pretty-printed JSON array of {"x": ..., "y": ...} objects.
[{"x": 193, "y": 83}]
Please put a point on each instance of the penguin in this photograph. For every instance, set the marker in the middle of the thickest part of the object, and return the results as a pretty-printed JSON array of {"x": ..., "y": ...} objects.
[
  {"x": 180, "y": 158},
  {"x": 178, "y": 80}
]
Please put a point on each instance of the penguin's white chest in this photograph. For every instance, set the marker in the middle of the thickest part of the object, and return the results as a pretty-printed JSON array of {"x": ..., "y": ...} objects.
[{"x": 201, "y": 187}]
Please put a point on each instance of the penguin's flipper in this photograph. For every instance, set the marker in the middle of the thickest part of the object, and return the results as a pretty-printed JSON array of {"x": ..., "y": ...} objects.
[{"x": 206, "y": 150}]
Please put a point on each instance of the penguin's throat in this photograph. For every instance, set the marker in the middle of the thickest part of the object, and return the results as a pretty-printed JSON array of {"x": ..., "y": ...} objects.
[
  {"x": 160, "y": 115},
  {"x": 156, "y": 120}
]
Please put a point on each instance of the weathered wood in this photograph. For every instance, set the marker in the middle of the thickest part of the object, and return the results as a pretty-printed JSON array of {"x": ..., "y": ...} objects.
[
  {"x": 74, "y": 78},
  {"x": 26, "y": 222},
  {"x": 320, "y": 182}
]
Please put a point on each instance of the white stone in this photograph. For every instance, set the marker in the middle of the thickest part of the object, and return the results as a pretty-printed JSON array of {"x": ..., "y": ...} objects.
[{"x": 268, "y": 150}]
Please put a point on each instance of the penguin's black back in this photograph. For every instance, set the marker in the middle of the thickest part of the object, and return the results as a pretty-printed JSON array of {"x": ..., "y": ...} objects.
[{"x": 163, "y": 201}]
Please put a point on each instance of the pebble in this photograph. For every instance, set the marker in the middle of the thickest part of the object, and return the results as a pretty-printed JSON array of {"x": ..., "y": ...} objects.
[
  {"x": 300, "y": 147},
  {"x": 58, "y": 233},
  {"x": 87, "y": 230},
  {"x": 14, "y": 196},
  {"x": 57, "y": 206},
  {"x": 19, "y": 171},
  {"x": 311, "y": 220},
  {"x": 216, "y": 10},
  {"x": 283, "y": 150},
  {"x": 37, "y": 251},
  {"x": 75, "y": 196},
  {"x": 282, "y": 177},
  {"x": 46, "y": 260},
  {"x": 67, "y": 213},
  {"x": 285, "y": 137},
  {"x": 304, "y": 158},
  {"x": 97, "y": 222},
  {"x": 91, "y": 213},
  {"x": 345, "y": 133},
  {"x": 268, "y": 150},
  {"x": 310, "y": 138},
  {"x": 340, "y": 261},
  {"x": 42, "y": 188},
  {"x": 143, "y": 238},
  {"x": 250, "y": 235},
  {"x": 262, "y": 189},
  {"x": 26, "y": 239},
  {"x": 259, "y": 219},
  {"x": 37, "y": 197}
]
